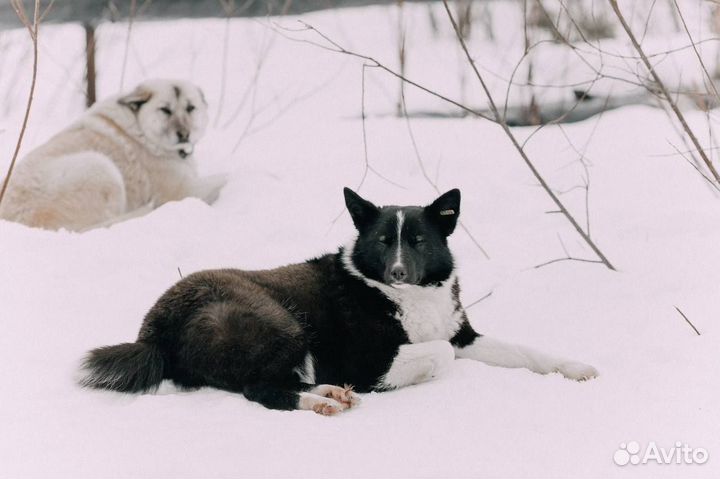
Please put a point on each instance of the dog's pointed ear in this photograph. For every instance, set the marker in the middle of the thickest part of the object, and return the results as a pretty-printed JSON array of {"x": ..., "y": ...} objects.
[
  {"x": 135, "y": 99},
  {"x": 362, "y": 212},
  {"x": 444, "y": 211}
]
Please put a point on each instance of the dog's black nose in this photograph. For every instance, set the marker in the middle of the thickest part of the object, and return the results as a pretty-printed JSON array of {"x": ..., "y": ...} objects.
[
  {"x": 183, "y": 136},
  {"x": 398, "y": 273}
]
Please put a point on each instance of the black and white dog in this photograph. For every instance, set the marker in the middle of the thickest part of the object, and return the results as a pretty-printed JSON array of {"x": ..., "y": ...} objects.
[{"x": 381, "y": 313}]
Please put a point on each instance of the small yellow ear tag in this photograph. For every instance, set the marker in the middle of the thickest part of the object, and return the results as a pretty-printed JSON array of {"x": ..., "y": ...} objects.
[{"x": 447, "y": 212}]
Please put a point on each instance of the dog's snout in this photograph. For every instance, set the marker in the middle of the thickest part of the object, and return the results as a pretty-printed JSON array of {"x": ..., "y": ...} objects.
[
  {"x": 399, "y": 273},
  {"x": 183, "y": 136}
]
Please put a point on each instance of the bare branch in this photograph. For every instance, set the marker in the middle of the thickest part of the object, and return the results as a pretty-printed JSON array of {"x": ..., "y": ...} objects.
[
  {"x": 335, "y": 47},
  {"x": 687, "y": 320},
  {"x": 425, "y": 174},
  {"x": 697, "y": 53},
  {"x": 714, "y": 185},
  {"x": 19, "y": 8},
  {"x": 33, "y": 29},
  {"x": 228, "y": 8},
  {"x": 131, "y": 18},
  {"x": 478, "y": 301},
  {"x": 259, "y": 64},
  {"x": 521, "y": 151},
  {"x": 297, "y": 99},
  {"x": 569, "y": 258},
  {"x": 367, "y": 167},
  {"x": 665, "y": 93}
]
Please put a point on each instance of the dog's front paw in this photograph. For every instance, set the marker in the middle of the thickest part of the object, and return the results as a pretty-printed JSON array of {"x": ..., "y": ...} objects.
[
  {"x": 208, "y": 188},
  {"x": 343, "y": 395},
  {"x": 577, "y": 371},
  {"x": 327, "y": 407},
  {"x": 347, "y": 397}
]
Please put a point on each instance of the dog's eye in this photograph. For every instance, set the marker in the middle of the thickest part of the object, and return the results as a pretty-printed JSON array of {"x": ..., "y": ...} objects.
[
  {"x": 419, "y": 239},
  {"x": 384, "y": 240},
  {"x": 190, "y": 108},
  {"x": 166, "y": 110}
]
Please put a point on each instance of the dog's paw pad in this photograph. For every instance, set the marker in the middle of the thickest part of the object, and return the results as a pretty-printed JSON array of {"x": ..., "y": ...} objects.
[{"x": 577, "y": 371}]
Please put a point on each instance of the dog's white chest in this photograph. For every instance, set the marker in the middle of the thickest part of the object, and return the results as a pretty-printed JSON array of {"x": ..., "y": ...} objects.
[{"x": 427, "y": 313}]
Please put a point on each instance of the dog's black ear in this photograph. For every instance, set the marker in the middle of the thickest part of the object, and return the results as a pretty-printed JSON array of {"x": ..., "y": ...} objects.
[
  {"x": 363, "y": 212},
  {"x": 444, "y": 211},
  {"x": 135, "y": 99}
]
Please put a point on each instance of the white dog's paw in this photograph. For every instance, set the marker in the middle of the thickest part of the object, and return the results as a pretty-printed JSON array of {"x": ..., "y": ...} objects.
[
  {"x": 344, "y": 395},
  {"x": 209, "y": 187},
  {"x": 577, "y": 371},
  {"x": 327, "y": 407},
  {"x": 219, "y": 179},
  {"x": 149, "y": 206}
]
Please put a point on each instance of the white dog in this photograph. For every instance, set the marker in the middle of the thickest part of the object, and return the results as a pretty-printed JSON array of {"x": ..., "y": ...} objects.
[{"x": 125, "y": 156}]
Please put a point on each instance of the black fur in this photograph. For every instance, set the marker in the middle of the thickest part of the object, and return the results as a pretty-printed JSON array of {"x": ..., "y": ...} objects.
[
  {"x": 250, "y": 331},
  {"x": 465, "y": 335},
  {"x": 127, "y": 367},
  {"x": 425, "y": 230}
]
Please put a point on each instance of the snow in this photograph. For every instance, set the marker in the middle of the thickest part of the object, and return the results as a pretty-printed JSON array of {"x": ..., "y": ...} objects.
[{"x": 651, "y": 214}]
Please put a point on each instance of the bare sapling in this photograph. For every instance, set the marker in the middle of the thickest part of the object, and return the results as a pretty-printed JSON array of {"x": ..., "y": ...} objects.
[{"x": 33, "y": 28}]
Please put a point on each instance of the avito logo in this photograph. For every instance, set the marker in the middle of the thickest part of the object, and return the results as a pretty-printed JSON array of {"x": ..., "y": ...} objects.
[{"x": 630, "y": 453}]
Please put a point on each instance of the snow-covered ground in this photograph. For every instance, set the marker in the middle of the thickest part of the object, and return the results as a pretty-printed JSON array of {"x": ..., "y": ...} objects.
[{"x": 650, "y": 213}]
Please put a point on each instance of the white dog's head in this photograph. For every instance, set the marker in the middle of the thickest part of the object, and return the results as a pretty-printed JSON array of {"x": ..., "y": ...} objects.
[{"x": 170, "y": 114}]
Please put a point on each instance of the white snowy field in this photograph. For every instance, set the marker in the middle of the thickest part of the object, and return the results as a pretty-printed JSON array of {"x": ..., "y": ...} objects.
[{"x": 650, "y": 212}]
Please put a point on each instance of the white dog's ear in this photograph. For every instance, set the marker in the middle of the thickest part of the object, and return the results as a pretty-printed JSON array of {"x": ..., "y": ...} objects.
[{"x": 135, "y": 99}]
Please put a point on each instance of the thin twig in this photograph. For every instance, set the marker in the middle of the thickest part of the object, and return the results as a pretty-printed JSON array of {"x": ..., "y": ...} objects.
[
  {"x": 714, "y": 185},
  {"x": 697, "y": 53},
  {"x": 364, "y": 130},
  {"x": 477, "y": 301},
  {"x": 583, "y": 161},
  {"x": 367, "y": 167},
  {"x": 687, "y": 320},
  {"x": 133, "y": 8},
  {"x": 228, "y": 7},
  {"x": 33, "y": 29},
  {"x": 425, "y": 174},
  {"x": 569, "y": 258},
  {"x": 259, "y": 64},
  {"x": 664, "y": 91},
  {"x": 335, "y": 47},
  {"x": 521, "y": 151},
  {"x": 297, "y": 99},
  {"x": 694, "y": 161}
]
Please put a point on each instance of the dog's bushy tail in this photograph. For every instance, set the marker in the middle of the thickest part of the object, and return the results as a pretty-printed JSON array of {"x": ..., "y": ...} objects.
[{"x": 128, "y": 367}]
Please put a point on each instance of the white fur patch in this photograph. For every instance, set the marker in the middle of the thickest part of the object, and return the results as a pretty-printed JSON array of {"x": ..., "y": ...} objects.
[
  {"x": 398, "y": 255},
  {"x": 319, "y": 404},
  {"x": 307, "y": 370},
  {"x": 328, "y": 400},
  {"x": 416, "y": 363},
  {"x": 497, "y": 353},
  {"x": 425, "y": 312}
]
